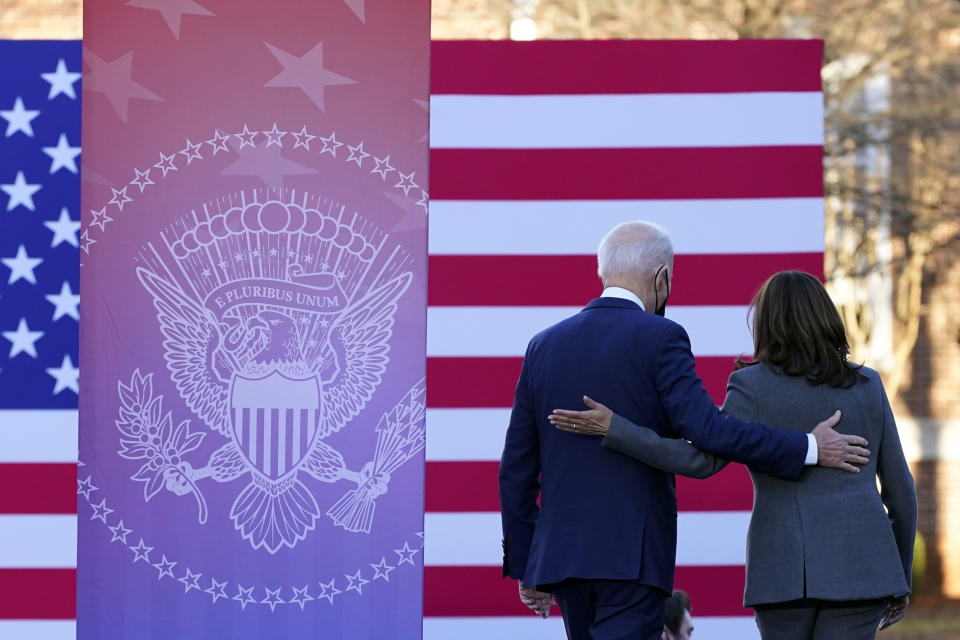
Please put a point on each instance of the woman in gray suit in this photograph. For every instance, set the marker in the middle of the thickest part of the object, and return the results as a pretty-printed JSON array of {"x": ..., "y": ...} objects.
[{"x": 825, "y": 559}]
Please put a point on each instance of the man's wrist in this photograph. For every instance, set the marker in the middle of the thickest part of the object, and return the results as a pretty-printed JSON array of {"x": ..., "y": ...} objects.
[{"x": 813, "y": 454}]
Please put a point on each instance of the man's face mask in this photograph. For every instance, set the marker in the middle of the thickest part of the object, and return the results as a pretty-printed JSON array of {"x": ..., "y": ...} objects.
[{"x": 660, "y": 307}]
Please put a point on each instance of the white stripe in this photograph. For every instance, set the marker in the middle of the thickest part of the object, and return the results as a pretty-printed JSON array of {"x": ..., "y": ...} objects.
[
  {"x": 709, "y": 538},
  {"x": 626, "y": 121},
  {"x": 38, "y": 435},
  {"x": 575, "y": 227},
  {"x": 282, "y": 442},
  {"x": 38, "y": 629},
  {"x": 505, "y": 331},
  {"x": 533, "y": 628},
  {"x": 268, "y": 428},
  {"x": 466, "y": 434},
  {"x": 38, "y": 541}
]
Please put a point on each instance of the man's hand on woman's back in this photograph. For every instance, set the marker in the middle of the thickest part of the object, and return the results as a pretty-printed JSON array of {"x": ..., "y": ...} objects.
[{"x": 837, "y": 450}]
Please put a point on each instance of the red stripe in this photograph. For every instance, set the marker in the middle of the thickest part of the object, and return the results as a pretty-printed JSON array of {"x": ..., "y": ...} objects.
[
  {"x": 489, "y": 382},
  {"x": 38, "y": 594},
  {"x": 624, "y": 66},
  {"x": 571, "y": 280},
  {"x": 480, "y": 591},
  {"x": 626, "y": 174},
  {"x": 38, "y": 488},
  {"x": 472, "y": 486}
]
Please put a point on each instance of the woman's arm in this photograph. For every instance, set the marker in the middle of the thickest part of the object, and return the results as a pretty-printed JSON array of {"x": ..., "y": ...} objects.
[
  {"x": 896, "y": 489},
  {"x": 667, "y": 454}
]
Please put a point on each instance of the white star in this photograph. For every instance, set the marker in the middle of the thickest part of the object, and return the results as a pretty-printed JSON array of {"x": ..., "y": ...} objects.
[
  {"x": 300, "y": 596},
  {"x": 192, "y": 151},
  {"x": 63, "y": 156},
  {"x": 22, "y": 266},
  {"x": 328, "y": 590},
  {"x": 190, "y": 580},
  {"x": 22, "y": 340},
  {"x": 120, "y": 197},
  {"x": 87, "y": 241},
  {"x": 166, "y": 163},
  {"x": 66, "y": 303},
  {"x": 100, "y": 218},
  {"x": 330, "y": 144},
  {"x": 206, "y": 273},
  {"x": 67, "y": 377},
  {"x": 405, "y": 554},
  {"x": 383, "y": 166},
  {"x": 165, "y": 567},
  {"x": 61, "y": 81},
  {"x": 120, "y": 532},
  {"x": 274, "y": 136},
  {"x": 142, "y": 178},
  {"x": 356, "y": 582},
  {"x": 64, "y": 229},
  {"x": 141, "y": 552},
  {"x": 84, "y": 487},
  {"x": 216, "y": 590},
  {"x": 302, "y": 138},
  {"x": 100, "y": 511},
  {"x": 18, "y": 118},
  {"x": 357, "y": 154},
  {"x": 244, "y": 596},
  {"x": 382, "y": 570},
  {"x": 20, "y": 192},
  {"x": 424, "y": 200},
  {"x": 273, "y": 598},
  {"x": 406, "y": 182},
  {"x": 246, "y": 137},
  {"x": 218, "y": 142}
]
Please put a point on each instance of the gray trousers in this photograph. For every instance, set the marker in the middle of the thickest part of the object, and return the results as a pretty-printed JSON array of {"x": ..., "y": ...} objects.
[{"x": 819, "y": 620}]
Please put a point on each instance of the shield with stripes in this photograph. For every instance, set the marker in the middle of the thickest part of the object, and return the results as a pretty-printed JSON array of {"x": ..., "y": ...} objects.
[{"x": 275, "y": 420}]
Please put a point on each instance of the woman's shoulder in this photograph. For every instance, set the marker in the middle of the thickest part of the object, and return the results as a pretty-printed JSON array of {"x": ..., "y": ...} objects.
[{"x": 756, "y": 373}]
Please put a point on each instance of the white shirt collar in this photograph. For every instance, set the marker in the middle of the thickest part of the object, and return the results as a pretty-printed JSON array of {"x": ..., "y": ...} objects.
[{"x": 623, "y": 294}]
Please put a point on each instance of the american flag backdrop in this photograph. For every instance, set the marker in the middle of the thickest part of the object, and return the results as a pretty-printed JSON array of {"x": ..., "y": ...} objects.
[
  {"x": 537, "y": 150},
  {"x": 39, "y": 239}
]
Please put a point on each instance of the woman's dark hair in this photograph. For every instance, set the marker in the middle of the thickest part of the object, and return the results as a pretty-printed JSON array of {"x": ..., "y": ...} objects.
[
  {"x": 797, "y": 328},
  {"x": 676, "y": 605}
]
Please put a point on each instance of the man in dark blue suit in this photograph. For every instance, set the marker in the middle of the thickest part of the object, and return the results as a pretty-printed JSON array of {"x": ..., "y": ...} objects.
[{"x": 603, "y": 539}]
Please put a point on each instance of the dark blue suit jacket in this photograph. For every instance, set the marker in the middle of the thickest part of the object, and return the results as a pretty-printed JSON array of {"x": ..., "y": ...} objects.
[{"x": 602, "y": 514}]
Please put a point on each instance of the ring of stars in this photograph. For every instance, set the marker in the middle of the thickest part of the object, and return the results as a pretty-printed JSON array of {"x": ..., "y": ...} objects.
[
  {"x": 296, "y": 595},
  {"x": 218, "y": 141}
]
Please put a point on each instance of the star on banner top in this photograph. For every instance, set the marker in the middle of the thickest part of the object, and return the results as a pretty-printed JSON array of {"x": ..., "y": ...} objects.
[
  {"x": 172, "y": 11},
  {"x": 306, "y": 73},
  {"x": 114, "y": 80}
]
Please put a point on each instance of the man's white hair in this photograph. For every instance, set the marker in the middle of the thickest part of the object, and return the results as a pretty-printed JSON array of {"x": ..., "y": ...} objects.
[{"x": 634, "y": 247}]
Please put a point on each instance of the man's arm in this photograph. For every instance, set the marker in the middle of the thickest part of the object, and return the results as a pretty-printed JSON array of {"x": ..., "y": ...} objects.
[
  {"x": 519, "y": 480},
  {"x": 773, "y": 451}
]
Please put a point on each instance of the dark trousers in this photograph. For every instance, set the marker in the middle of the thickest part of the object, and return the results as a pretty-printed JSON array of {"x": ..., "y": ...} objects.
[
  {"x": 610, "y": 609},
  {"x": 819, "y": 620}
]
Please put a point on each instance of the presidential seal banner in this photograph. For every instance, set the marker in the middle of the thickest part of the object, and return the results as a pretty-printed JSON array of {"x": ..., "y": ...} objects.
[{"x": 253, "y": 331}]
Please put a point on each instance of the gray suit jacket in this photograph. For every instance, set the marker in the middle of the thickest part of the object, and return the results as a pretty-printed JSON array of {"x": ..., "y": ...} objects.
[{"x": 826, "y": 536}]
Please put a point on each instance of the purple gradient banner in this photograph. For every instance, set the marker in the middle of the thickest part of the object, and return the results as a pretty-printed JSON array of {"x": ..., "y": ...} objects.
[{"x": 253, "y": 328}]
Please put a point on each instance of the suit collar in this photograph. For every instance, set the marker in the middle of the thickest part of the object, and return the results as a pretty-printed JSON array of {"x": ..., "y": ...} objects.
[{"x": 616, "y": 303}]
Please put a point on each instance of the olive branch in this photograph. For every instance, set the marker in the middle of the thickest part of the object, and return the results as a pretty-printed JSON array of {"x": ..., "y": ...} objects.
[{"x": 146, "y": 433}]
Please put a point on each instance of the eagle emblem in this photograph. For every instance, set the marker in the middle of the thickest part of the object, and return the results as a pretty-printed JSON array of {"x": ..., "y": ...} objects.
[{"x": 275, "y": 359}]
